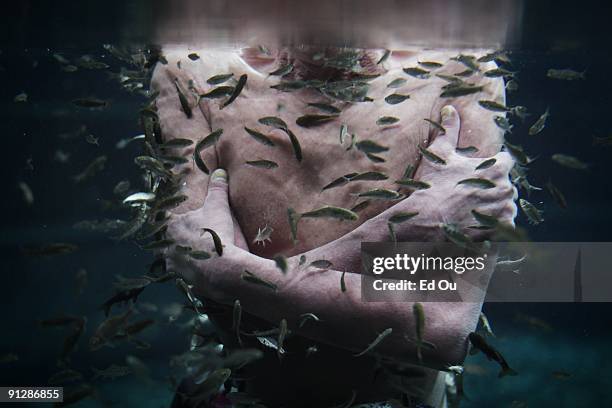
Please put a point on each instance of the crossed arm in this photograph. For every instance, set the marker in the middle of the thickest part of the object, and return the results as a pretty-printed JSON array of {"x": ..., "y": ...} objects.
[{"x": 346, "y": 321}]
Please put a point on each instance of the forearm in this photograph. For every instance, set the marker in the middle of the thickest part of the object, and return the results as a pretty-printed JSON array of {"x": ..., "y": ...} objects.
[{"x": 346, "y": 320}]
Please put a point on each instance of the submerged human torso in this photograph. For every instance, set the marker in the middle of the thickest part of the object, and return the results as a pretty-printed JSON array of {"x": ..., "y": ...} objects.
[{"x": 259, "y": 196}]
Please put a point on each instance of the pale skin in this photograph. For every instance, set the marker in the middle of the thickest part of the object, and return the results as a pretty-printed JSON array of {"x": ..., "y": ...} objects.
[{"x": 347, "y": 322}]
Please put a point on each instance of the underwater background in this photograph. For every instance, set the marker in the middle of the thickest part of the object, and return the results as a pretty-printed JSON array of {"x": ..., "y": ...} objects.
[{"x": 562, "y": 351}]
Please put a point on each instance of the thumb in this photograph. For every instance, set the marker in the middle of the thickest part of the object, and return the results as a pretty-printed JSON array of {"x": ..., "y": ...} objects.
[
  {"x": 446, "y": 142},
  {"x": 216, "y": 211}
]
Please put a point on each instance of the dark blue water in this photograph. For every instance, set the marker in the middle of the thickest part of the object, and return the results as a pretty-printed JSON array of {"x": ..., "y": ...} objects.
[{"x": 32, "y": 289}]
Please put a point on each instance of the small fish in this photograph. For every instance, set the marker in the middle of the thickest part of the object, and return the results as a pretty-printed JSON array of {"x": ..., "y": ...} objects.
[
  {"x": 494, "y": 106},
  {"x": 569, "y": 161},
  {"x": 112, "y": 372},
  {"x": 283, "y": 331},
  {"x": 466, "y": 150},
  {"x": 218, "y": 92},
  {"x": 138, "y": 327},
  {"x": 533, "y": 214},
  {"x": 417, "y": 72},
  {"x": 556, "y": 194},
  {"x": 328, "y": 211},
  {"x": 402, "y": 216},
  {"x": 216, "y": 240},
  {"x": 386, "y": 120},
  {"x": 376, "y": 342},
  {"x": 343, "y": 133},
  {"x": 419, "y": 325},
  {"x": 498, "y": 72},
  {"x": 108, "y": 329},
  {"x": 396, "y": 83},
  {"x": 381, "y": 194},
  {"x": 237, "y": 90},
  {"x": 520, "y": 111},
  {"x": 484, "y": 219},
  {"x": 281, "y": 263},
  {"x": 176, "y": 143},
  {"x": 274, "y": 122},
  {"x": 26, "y": 191},
  {"x": 59, "y": 248},
  {"x": 512, "y": 85},
  {"x": 321, "y": 264},
  {"x": 325, "y": 107},
  {"x": 375, "y": 158},
  {"x": 260, "y": 137},
  {"x": 466, "y": 73},
  {"x": 22, "y": 97},
  {"x": 454, "y": 235},
  {"x": 468, "y": 60},
  {"x": 206, "y": 142},
  {"x": 342, "y": 282},
  {"x": 302, "y": 260},
  {"x": 308, "y": 121},
  {"x": 193, "y": 56},
  {"x": 93, "y": 168},
  {"x": 237, "y": 317},
  {"x": 430, "y": 64},
  {"x": 413, "y": 184},
  {"x": 252, "y": 278},
  {"x": 89, "y": 103},
  {"x": 340, "y": 181},
  {"x": 295, "y": 144},
  {"x": 503, "y": 123},
  {"x": 204, "y": 390},
  {"x": 360, "y": 206},
  {"x": 184, "y": 102},
  {"x": 486, "y": 164},
  {"x": 263, "y": 235},
  {"x": 491, "y": 353},
  {"x": 461, "y": 90},
  {"x": 486, "y": 325},
  {"x": 139, "y": 198},
  {"x": 290, "y": 86},
  {"x": 431, "y": 156},
  {"x": 369, "y": 176},
  {"x": 436, "y": 125},
  {"x": 561, "y": 375},
  {"x": 409, "y": 171},
  {"x": 219, "y": 79},
  {"x": 518, "y": 153},
  {"x": 565, "y": 74},
  {"x": 170, "y": 202},
  {"x": 384, "y": 57},
  {"x": 263, "y": 164},
  {"x": 293, "y": 218},
  {"x": 489, "y": 56},
  {"x": 282, "y": 70},
  {"x": 306, "y": 317},
  {"x": 539, "y": 124},
  {"x": 477, "y": 182},
  {"x": 396, "y": 98},
  {"x": 370, "y": 146}
]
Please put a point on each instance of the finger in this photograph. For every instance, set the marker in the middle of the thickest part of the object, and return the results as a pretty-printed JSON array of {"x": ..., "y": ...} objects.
[
  {"x": 445, "y": 143},
  {"x": 216, "y": 210}
]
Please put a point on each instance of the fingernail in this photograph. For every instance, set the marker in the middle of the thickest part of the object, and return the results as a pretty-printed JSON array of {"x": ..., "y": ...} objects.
[
  {"x": 219, "y": 175},
  {"x": 446, "y": 113}
]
